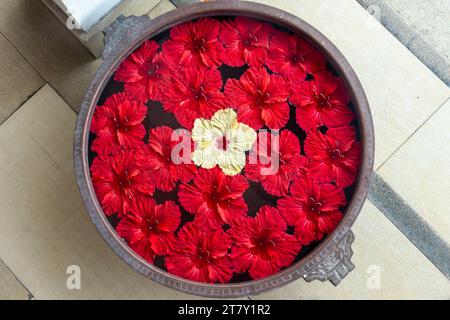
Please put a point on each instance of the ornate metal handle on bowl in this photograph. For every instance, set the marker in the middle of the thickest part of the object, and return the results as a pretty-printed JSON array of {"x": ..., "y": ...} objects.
[
  {"x": 336, "y": 266},
  {"x": 122, "y": 32}
]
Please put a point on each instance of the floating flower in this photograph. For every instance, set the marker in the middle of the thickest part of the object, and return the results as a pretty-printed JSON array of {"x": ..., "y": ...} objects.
[
  {"x": 334, "y": 156},
  {"x": 118, "y": 124},
  {"x": 118, "y": 181},
  {"x": 195, "y": 44},
  {"x": 245, "y": 41},
  {"x": 259, "y": 98},
  {"x": 149, "y": 228},
  {"x": 214, "y": 198},
  {"x": 262, "y": 246},
  {"x": 201, "y": 255},
  {"x": 144, "y": 73},
  {"x": 194, "y": 93},
  {"x": 321, "y": 102},
  {"x": 166, "y": 167},
  {"x": 293, "y": 57},
  {"x": 222, "y": 141},
  {"x": 312, "y": 209},
  {"x": 275, "y": 161}
]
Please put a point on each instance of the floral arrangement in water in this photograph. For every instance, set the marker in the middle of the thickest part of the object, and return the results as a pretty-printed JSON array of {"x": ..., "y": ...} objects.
[{"x": 255, "y": 165}]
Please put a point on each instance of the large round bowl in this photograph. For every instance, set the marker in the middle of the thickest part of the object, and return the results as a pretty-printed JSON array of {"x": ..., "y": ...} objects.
[{"x": 331, "y": 259}]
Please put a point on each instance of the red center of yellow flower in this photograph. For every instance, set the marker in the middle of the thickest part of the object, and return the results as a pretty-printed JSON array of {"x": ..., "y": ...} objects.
[{"x": 222, "y": 143}]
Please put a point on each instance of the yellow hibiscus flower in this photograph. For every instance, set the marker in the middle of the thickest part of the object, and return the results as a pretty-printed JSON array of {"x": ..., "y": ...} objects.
[{"x": 222, "y": 141}]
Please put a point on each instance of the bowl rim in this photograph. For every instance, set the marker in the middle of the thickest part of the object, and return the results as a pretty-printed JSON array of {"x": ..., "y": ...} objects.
[{"x": 225, "y": 8}]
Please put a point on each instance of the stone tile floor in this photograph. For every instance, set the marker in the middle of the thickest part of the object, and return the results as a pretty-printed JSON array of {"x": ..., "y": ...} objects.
[
  {"x": 43, "y": 226},
  {"x": 422, "y": 26}
]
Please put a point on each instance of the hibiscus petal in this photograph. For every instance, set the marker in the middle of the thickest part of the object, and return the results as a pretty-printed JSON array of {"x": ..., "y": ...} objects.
[
  {"x": 129, "y": 228},
  {"x": 277, "y": 116}
]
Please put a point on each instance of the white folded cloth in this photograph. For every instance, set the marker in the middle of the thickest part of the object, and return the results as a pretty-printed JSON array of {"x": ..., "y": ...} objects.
[{"x": 88, "y": 12}]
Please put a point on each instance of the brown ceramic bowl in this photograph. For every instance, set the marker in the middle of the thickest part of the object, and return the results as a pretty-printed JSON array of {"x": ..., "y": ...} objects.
[{"x": 330, "y": 259}]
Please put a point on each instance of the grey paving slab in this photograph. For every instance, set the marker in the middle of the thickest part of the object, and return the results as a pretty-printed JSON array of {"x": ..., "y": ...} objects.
[
  {"x": 52, "y": 50},
  {"x": 419, "y": 172},
  {"x": 18, "y": 79},
  {"x": 44, "y": 228},
  {"x": 10, "y": 286},
  {"x": 161, "y": 8},
  {"x": 411, "y": 224},
  {"x": 423, "y": 26}
]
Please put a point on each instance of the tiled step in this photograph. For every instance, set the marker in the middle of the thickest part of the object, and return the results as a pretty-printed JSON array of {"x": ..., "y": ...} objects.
[
  {"x": 162, "y": 7},
  {"x": 49, "y": 47},
  {"x": 43, "y": 225},
  {"x": 422, "y": 26},
  {"x": 18, "y": 79},
  {"x": 388, "y": 266},
  {"x": 419, "y": 172},
  {"x": 402, "y": 92},
  {"x": 10, "y": 287},
  {"x": 53, "y": 50}
]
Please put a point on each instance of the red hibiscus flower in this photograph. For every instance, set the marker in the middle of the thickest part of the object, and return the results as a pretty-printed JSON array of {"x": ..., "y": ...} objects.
[
  {"x": 118, "y": 181},
  {"x": 312, "y": 209},
  {"x": 118, "y": 125},
  {"x": 149, "y": 228},
  {"x": 143, "y": 73},
  {"x": 262, "y": 247},
  {"x": 201, "y": 255},
  {"x": 275, "y": 163},
  {"x": 195, "y": 44},
  {"x": 334, "y": 156},
  {"x": 293, "y": 57},
  {"x": 157, "y": 157},
  {"x": 321, "y": 102},
  {"x": 214, "y": 198},
  {"x": 245, "y": 41},
  {"x": 259, "y": 98},
  {"x": 194, "y": 93}
]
